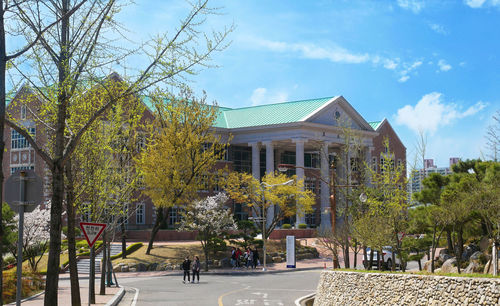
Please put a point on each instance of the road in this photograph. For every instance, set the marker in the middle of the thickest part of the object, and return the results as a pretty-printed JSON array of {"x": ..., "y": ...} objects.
[{"x": 262, "y": 289}]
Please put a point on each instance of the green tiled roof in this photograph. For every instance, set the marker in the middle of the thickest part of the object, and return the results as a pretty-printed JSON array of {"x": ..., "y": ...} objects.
[
  {"x": 269, "y": 114},
  {"x": 375, "y": 124},
  {"x": 260, "y": 115}
]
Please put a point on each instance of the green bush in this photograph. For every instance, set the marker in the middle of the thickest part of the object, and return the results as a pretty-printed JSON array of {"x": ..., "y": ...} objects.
[
  {"x": 31, "y": 284},
  {"x": 131, "y": 249},
  {"x": 302, "y": 225},
  {"x": 286, "y": 226}
]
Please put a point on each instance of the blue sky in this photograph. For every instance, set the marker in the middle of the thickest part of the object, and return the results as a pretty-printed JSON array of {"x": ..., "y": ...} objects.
[{"x": 422, "y": 64}]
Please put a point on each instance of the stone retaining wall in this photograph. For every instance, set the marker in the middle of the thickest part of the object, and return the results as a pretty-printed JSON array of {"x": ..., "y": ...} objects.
[{"x": 354, "y": 288}]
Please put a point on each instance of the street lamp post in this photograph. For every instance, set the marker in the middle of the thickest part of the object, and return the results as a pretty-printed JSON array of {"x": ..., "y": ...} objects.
[{"x": 333, "y": 200}]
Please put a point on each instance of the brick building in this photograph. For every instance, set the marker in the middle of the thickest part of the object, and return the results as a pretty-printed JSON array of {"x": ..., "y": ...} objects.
[{"x": 304, "y": 133}]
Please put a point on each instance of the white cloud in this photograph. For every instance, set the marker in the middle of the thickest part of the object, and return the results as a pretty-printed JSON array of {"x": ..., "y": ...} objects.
[
  {"x": 403, "y": 79},
  {"x": 431, "y": 112},
  {"x": 407, "y": 70},
  {"x": 335, "y": 54},
  {"x": 443, "y": 66},
  {"x": 391, "y": 64},
  {"x": 462, "y": 64},
  {"x": 414, "y": 5},
  {"x": 482, "y": 3},
  {"x": 262, "y": 96},
  {"x": 475, "y": 3},
  {"x": 438, "y": 28}
]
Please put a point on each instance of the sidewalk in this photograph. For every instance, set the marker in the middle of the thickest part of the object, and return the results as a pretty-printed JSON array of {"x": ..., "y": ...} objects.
[
  {"x": 64, "y": 296},
  {"x": 114, "y": 293}
]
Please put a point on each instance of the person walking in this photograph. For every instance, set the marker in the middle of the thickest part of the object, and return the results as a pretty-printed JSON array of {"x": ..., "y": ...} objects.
[
  {"x": 196, "y": 268},
  {"x": 255, "y": 258},
  {"x": 249, "y": 257},
  {"x": 233, "y": 257},
  {"x": 238, "y": 257},
  {"x": 186, "y": 266}
]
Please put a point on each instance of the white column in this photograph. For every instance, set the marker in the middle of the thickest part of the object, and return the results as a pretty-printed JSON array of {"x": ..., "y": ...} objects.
[
  {"x": 269, "y": 170},
  {"x": 255, "y": 159},
  {"x": 299, "y": 162},
  {"x": 255, "y": 169},
  {"x": 326, "y": 223}
]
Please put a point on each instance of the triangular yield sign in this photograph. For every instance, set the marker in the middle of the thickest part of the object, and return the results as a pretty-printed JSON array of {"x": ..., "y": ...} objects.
[{"x": 92, "y": 231}]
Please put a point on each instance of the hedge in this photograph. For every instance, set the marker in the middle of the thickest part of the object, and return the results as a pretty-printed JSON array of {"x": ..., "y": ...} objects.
[{"x": 131, "y": 249}]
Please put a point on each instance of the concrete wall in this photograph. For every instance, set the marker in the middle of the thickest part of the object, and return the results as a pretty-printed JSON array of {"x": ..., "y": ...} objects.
[{"x": 353, "y": 288}]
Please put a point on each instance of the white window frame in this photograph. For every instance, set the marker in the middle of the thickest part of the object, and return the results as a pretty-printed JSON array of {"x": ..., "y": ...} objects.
[
  {"x": 24, "y": 111},
  {"x": 140, "y": 213}
]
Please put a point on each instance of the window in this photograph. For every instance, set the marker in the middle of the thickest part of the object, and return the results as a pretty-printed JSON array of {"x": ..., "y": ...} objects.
[
  {"x": 241, "y": 158},
  {"x": 399, "y": 163},
  {"x": 310, "y": 184},
  {"x": 374, "y": 164},
  {"x": 382, "y": 164},
  {"x": 174, "y": 216},
  {"x": 18, "y": 141},
  {"x": 139, "y": 214},
  {"x": 15, "y": 169},
  {"x": 240, "y": 213},
  {"x": 311, "y": 219},
  {"x": 125, "y": 213},
  {"x": 140, "y": 142},
  {"x": 311, "y": 160},
  {"x": 23, "y": 112}
]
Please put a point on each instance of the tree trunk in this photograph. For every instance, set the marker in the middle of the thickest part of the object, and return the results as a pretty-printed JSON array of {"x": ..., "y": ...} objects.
[
  {"x": 156, "y": 228},
  {"x": 57, "y": 169},
  {"x": 355, "y": 254},
  {"x": 53, "y": 264},
  {"x": 370, "y": 265},
  {"x": 380, "y": 257},
  {"x": 3, "y": 65},
  {"x": 365, "y": 258},
  {"x": 104, "y": 260},
  {"x": 393, "y": 259},
  {"x": 460, "y": 248},
  {"x": 419, "y": 262},
  {"x": 92, "y": 276},
  {"x": 449, "y": 240},
  {"x": 70, "y": 208},
  {"x": 205, "y": 250},
  {"x": 124, "y": 240}
]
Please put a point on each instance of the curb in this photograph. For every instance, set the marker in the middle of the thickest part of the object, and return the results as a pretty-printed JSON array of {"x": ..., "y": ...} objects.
[
  {"x": 302, "y": 300},
  {"x": 117, "y": 298},
  {"x": 28, "y": 298}
]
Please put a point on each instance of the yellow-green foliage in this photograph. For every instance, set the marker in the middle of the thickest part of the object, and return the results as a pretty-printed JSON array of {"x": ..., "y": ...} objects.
[
  {"x": 290, "y": 199},
  {"x": 31, "y": 284},
  {"x": 181, "y": 155}
]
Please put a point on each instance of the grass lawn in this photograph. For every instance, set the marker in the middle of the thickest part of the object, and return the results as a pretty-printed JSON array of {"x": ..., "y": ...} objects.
[
  {"x": 175, "y": 253},
  {"x": 42, "y": 265}
]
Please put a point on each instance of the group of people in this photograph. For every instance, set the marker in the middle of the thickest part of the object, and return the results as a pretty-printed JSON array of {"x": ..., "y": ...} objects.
[
  {"x": 186, "y": 266},
  {"x": 249, "y": 258}
]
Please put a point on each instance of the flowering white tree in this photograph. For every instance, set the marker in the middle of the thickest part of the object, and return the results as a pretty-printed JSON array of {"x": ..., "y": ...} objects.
[
  {"x": 35, "y": 235},
  {"x": 210, "y": 218}
]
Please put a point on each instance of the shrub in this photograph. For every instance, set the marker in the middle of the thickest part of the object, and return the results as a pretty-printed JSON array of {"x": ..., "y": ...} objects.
[
  {"x": 31, "y": 284},
  {"x": 286, "y": 226},
  {"x": 131, "y": 249},
  {"x": 302, "y": 225}
]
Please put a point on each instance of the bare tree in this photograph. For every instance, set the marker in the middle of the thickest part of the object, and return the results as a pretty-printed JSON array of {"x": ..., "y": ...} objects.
[
  {"x": 493, "y": 137},
  {"x": 72, "y": 57}
]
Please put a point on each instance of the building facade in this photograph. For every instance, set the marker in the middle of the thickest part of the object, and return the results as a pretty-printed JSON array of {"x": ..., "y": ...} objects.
[
  {"x": 417, "y": 176},
  {"x": 307, "y": 134}
]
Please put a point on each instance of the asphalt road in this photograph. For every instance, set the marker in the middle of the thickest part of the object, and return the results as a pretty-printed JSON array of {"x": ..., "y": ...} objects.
[{"x": 262, "y": 289}]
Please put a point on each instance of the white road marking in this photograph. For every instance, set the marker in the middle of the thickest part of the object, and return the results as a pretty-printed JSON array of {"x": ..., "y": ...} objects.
[{"x": 134, "y": 301}]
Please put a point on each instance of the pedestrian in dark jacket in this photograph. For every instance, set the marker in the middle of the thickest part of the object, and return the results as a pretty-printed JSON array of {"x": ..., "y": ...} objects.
[
  {"x": 196, "y": 268},
  {"x": 255, "y": 258},
  {"x": 186, "y": 266}
]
